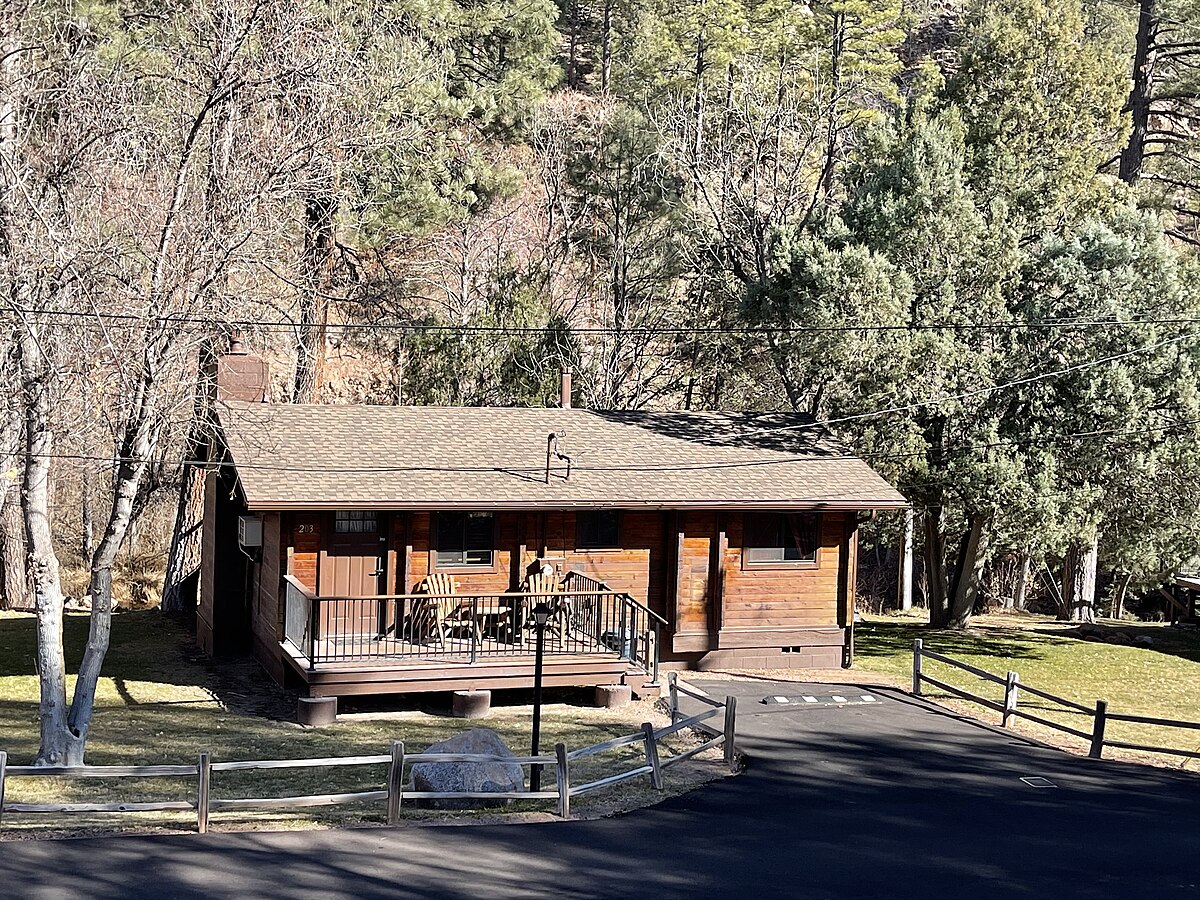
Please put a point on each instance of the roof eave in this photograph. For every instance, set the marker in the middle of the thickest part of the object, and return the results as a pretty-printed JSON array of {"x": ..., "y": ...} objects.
[{"x": 864, "y": 504}]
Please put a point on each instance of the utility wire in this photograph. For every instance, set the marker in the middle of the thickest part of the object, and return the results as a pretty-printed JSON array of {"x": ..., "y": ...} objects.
[
  {"x": 74, "y": 318},
  {"x": 658, "y": 467},
  {"x": 965, "y": 394}
]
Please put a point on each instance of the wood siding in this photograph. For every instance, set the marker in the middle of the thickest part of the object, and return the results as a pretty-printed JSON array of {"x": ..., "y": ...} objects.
[
  {"x": 494, "y": 579},
  {"x": 783, "y": 597},
  {"x": 306, "y": 531},
  {"x": 266, "y": 619},
  {"x": 688, "y": 566},
  {"x": 208, "y": 568}
]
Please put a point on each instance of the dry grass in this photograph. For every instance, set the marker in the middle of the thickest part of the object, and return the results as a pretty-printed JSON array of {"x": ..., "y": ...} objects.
[{"x": 161, "y": 702}]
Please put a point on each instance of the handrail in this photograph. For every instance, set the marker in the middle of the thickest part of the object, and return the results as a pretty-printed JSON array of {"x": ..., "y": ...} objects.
[
  {"x": 468, "y": 596},
  {"x": 629, "y": 597},
  {"x": 300, "y": 586},
  {"x": 642, "y": 606}
]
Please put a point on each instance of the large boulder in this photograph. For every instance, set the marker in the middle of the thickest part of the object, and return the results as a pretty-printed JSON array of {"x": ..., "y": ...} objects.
[{"x": 498, "y": 777}]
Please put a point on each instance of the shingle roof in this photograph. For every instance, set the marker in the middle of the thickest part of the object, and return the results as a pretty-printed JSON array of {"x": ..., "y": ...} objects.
[{"x": 291, "y": 456}]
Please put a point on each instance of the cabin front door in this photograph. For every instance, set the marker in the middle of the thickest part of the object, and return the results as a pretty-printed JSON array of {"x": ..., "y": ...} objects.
[
  {"x": 354, "y": 556},
  {"x": 352, "y": 569}
]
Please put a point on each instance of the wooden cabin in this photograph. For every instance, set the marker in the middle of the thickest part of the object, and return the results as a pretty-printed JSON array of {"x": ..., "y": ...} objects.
[{"x": 371, "y": 549}]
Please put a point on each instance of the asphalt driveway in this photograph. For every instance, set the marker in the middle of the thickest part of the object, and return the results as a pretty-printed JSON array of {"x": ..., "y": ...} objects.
[{"x": 890, "y": 798}]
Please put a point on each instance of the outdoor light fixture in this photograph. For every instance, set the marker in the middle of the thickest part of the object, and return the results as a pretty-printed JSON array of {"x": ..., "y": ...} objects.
[{"x": 541, "y": 615}]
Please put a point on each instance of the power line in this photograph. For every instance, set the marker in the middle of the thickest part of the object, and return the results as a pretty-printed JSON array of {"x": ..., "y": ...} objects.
[
  {"x": 663, "y": 467},
  {"x": 75, "y": 318},
  {"x": 966, "y": 394}
]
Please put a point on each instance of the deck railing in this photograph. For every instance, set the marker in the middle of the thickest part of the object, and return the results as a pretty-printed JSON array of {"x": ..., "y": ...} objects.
[{"x": 586, "y": 618}]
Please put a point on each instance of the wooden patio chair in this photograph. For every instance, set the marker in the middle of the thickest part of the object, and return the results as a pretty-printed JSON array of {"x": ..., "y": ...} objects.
[
  {"x": 548, "y": 588},
  {"x": 440, "y": 612}
]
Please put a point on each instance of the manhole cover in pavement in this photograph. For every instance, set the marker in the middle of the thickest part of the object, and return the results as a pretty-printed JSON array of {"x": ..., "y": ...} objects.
[
  {"x": 1038, "y": 781},
  {"x": 846, "y": 699}
]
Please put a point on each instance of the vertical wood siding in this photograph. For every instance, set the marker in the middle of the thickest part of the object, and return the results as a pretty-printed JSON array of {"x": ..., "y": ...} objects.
[{"x": 265, "y": 613}]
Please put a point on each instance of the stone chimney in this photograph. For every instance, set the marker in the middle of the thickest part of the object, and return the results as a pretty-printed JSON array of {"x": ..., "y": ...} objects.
[
  {"x": 565, "y": 395},
  {"x": 240, "y": 375}
]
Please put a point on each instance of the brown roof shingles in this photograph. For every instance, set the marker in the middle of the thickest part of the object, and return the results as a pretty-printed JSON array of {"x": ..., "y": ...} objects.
[{"x": 291, "y": 456}]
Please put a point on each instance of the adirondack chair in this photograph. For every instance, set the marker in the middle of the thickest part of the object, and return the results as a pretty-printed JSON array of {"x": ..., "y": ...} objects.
[
  {"x": 546, "y": 588},
  {"x": 440, "y": 612}
]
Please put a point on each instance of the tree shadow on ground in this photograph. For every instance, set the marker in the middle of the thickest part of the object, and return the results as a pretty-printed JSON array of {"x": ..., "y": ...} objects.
[
  {"x": 1183, "y": 642},
  {"x": 147, "y": 646},
  {"x": 895, "y": 639}
]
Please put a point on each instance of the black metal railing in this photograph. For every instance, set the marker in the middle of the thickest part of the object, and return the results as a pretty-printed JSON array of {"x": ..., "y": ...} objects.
[{"x": 586, "y": 617}]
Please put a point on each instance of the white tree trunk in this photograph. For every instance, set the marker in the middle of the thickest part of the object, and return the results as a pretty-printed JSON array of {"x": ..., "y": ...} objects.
[
  {"x": 906, "y": 562},
  {"x": 60, "y": 746}
]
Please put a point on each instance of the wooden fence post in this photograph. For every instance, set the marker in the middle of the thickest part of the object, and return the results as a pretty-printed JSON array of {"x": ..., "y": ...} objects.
[
  {"x": 656, "y": 780},
  {"x": 1011, "y": 680},
  {"x": 730, "y": 741},
  {"x": 1098, "y": 724},
  {"x": 562, "y": 775},
  {"x": 395, "y": 783},
  {"x": 916, "y": 689},
  {"x": 3, "y": 767},
  {"x": 673, "y": 695},
  {"x": 205, "y": 773}
]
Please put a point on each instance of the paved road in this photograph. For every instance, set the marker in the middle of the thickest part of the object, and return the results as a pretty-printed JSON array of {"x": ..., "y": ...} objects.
[{"x": 892, "y": 799}]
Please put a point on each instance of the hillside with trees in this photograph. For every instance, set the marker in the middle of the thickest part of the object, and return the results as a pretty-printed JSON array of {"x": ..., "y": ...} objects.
[{"x": 961, "y": 233}]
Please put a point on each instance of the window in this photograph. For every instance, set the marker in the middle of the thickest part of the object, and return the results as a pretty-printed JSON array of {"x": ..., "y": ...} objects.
[
  {"x": 354, "y": 521},
  {"x": 782, "y": 538},
  {"x": 598, "y": 530},
  {"x": 464, "y": 539}
]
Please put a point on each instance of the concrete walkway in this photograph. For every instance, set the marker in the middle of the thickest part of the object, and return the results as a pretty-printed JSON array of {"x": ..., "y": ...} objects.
[{"x": 888, "y": 799}]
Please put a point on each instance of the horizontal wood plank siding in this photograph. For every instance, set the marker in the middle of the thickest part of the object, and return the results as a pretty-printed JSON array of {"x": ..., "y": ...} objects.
[
  {"x": 495, "y": 579},
  {"x": 784, "y": 596}
]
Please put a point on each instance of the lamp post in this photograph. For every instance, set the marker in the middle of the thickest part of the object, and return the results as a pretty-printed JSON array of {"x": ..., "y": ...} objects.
[{"x": 541, "y": 615}]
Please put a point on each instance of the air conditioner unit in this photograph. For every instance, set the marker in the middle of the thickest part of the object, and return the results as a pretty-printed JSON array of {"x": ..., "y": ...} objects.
[{"x": 250, "y": 531}]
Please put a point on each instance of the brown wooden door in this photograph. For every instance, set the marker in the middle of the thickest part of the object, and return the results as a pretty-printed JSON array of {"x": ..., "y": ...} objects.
[
  {"x": 353, "y": 566},
  {"x": 355, "y": 556}
]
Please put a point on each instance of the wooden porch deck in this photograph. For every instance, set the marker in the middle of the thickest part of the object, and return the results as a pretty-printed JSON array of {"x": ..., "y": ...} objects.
[{"x": 400, "y": 675}]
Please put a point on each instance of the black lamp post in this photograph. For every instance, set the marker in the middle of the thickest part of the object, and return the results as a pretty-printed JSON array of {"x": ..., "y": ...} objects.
[{"x": 541, "y": 615}]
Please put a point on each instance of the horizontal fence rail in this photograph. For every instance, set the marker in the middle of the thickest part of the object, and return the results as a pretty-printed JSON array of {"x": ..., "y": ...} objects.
[
  {"x": 1010, "y": 708},
  {"x": 398, "y": 763},
  {"x": 587, "y": 617}
]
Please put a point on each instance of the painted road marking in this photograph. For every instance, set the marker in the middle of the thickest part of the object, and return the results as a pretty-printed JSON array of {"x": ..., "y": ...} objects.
[{"x": 820, "y": 700}]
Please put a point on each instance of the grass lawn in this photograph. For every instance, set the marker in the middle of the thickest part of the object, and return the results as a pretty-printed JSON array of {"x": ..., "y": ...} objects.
[
  {"x": 160, "y": 701},
  {"x": 1157, "y": 675}
]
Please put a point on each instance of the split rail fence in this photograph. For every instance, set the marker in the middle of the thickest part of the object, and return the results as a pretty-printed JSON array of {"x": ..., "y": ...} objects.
[
  {"x": 1092, "y": 732},
  {"x": 396, "y": 792}
]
